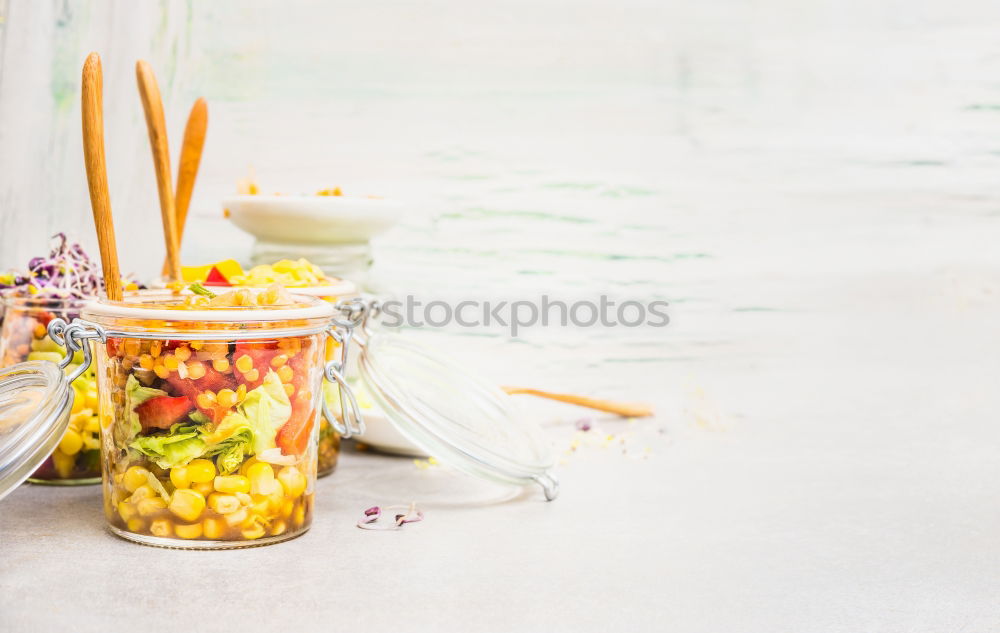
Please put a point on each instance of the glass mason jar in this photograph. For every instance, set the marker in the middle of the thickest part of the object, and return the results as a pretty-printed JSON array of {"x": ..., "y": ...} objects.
[
  {"x": 209, "y": 418},
  {"x": 24, "y": 336}
]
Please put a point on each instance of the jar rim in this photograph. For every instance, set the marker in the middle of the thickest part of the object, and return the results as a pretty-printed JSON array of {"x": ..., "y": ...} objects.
[{"x": 158, "y": 307}]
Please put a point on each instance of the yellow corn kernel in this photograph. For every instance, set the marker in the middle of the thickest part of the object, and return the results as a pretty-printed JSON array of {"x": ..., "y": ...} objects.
[
  {"x": 279, "y": 361},
  {"x": 213, "y": 528},
  {"x": 155, "y": 348},
  {"x": 204, "y": 488},
  {"x": 191, "y": 531},
  {"x": 299, "y": 517},
  {"x": 170, "y": 362},
  {"x": 151, "y": 506},
  {"x": 78, "y": 404},
  {"x": 255, "y": 531},
  {"x": 253, "y": 375},
  {"x": 146, "y": 362},
  {"x": 144, "y": 491},
  {"x": 267, "y": 297},
  {"x": 220, "y": 365},
  {"x": 241, "y": 392},
  {"x": 205, "y": 400},
  {"x": 135, "y": 525},
  {"x": 132, "y": 347},
  {"x": 71, "y": 442},
  {"x": 187, "y": 504},
  {"x": 39, "y": 331},
  {"x": 289, "y": 389},
  {"x": 223, "y": 504},
  {"x": 201, "y": 470},
  {"x": 244, "y": 498},
  {"x": 196, "y": 345},
  {"x": 179, "y": 477},
  {"x": 292, "y": 480},
  {"x": 261, "y": 505},
  {"x": 161, "y": 527},
  {"x": 247, "y": 464},
  {"x": 91, "y": 442},
  {"x": 126, "y": 511},
  {"x": 235, "y": 518},
  {"x": 232, "y": 483},
  {"x": 244, "y": 363},
  {"x": 135, "y": 476},
  {"x": 226, "y": 398},
  {"x": 161, "y": 372},
  {"x": 92, "y": 425},
  {"x": 286, "y": 373},
  {"x": 287, "y": 508},
  {"x": 92, "y": 399},
  {"x": 260, "y": 475},
  {"x": 217, "y": 349},
  {"x": 278, "y": 528},
  {"x": 196, "y": 370},
  {"x": 183, "y": 353}
]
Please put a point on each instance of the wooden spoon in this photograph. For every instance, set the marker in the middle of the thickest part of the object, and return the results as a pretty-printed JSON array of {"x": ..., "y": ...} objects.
[
  {"x": 624, "y": 409},
  {"x": 187, "y": 170},
  {"x": 152, "y": 105},
  {"x": 97, "y": 173}
]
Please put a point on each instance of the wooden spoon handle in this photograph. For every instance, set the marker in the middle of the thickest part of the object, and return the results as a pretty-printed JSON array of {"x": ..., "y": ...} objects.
[
  {"x": 152, "y": 105},
  {"x": 625, "y": 409},
  {"x": 187, "y": 170},
  {"x": 97, "y": 173}
]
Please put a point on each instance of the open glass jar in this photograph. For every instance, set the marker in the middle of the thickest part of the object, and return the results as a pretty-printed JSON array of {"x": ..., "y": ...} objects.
[
  {"x": 209, "y": 416},
  {"x": 76, "y": 459}
]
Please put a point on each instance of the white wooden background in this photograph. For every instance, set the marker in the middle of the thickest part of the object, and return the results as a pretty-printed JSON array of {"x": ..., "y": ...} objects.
[{"x": 812, "y": 185}]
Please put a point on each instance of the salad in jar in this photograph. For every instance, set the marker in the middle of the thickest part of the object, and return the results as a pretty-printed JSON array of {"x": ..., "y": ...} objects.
[
  {"x": 209, "y": 416},
  {"x": 57, "y": 285}
]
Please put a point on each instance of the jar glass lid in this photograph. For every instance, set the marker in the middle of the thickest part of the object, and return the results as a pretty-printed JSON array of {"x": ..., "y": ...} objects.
[
  {"x": 35, "y": 401},
  {"x": 460, "y": 419}
]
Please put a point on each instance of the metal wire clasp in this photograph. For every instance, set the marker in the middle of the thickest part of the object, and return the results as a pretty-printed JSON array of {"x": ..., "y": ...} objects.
[
  {"x": 341, "y": 330},
  {"x": 73, "y": 338}
]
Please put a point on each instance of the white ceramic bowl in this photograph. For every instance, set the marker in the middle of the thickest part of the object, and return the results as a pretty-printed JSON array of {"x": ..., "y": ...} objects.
[{"x": 312, "y": 219}]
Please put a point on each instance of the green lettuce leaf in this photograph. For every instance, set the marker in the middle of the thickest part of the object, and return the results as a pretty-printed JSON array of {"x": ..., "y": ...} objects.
[
  {"x": 266, "y": 409},
  {"x": 249, "y": 431},
  {"x": 198, "y": 417},
  {"x": 230, "y": 442},
  {"x": 181, "y": 444}
]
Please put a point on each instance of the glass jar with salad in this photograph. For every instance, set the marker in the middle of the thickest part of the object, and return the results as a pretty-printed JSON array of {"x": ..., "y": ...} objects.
[
  {"x": 304, "y": 278},
  {"x": 56, "y": 286},
  {"x": 208, "y": 407}
]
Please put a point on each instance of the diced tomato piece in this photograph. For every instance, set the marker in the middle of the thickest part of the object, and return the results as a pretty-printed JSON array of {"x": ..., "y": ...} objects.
[
  {"x": 112, "y": 346},
  {"x": 213, "y": 381},
  {"x": 216, "y": 278},
  {"x": 300, "y": 364},
  {"x": 163, "y": 411},
  {"x": 293, "y": 437}
]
